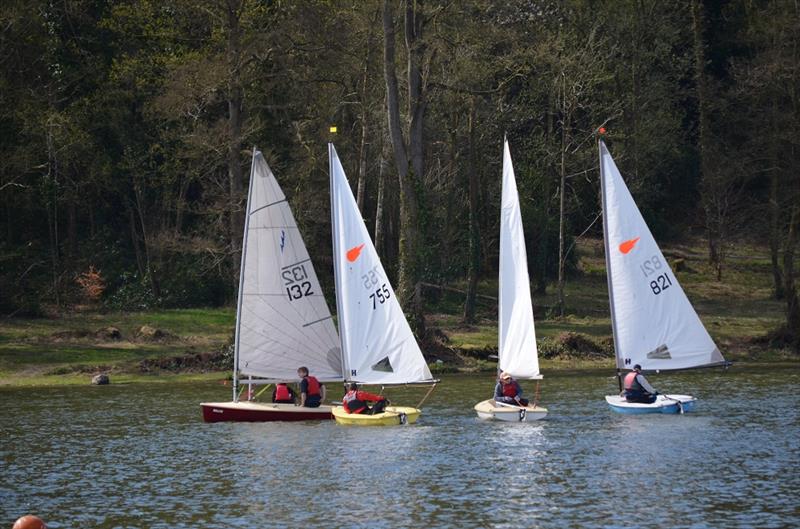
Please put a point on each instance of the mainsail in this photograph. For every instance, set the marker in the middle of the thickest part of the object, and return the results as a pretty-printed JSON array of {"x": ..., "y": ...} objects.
[
  {"x": 653, "y": 322},
  {"x": 378, "y": 345},
  {"x": 282, "y": 321},
  {"x": 517, "y": 336}
]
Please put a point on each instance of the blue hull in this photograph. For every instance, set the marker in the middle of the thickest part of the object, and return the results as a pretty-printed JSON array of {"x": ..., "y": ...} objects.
[{"x": 662, "y": 405}]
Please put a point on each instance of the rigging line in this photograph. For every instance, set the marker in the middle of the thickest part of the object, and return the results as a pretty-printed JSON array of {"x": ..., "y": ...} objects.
[
  {"x": 266, "y": 206},
  {"x": 272, "y": 362},
  {"x": 318, "y": 310},
  {"x": 575, "y": 240},
  {"x": 297, "y": 263},
  {"x": 277, "y": 310},
  {"x": 267, "y": 353},
  {"x": 317, "y": 321},
  {"x": 280, "y": 331}
]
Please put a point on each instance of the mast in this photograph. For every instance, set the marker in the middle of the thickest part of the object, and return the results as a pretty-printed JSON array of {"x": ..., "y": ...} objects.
[
  {"x": 241, "y": 280},
  {"x": 600, "y": 146},
  {"x": 336, "y": 271}
]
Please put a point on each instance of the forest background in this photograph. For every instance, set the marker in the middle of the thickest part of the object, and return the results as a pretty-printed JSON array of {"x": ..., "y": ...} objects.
[{"x": 127, "y": 128}]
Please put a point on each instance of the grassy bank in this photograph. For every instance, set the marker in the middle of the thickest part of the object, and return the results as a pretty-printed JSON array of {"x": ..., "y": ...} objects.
[{"x": 738, "y": 312}]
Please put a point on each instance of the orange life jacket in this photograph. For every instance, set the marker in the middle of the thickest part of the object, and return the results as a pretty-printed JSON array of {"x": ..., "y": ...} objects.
[
  {"x": 313, "y": 386},
  {"x": 282, "y": 393}
]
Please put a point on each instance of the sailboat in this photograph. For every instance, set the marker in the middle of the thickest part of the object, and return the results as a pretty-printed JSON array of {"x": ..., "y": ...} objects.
[
  {"x": 517, "y": 337},
  {"x": 282, "y": 319},
  {"x": 378, "y": 346},
  {"x": 653, "y": 323}
]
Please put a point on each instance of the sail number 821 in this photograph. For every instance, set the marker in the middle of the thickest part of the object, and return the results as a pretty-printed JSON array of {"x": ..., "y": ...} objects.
[
  {"x": 660, "y": 284},
  {"x": 661, "y": 281}
]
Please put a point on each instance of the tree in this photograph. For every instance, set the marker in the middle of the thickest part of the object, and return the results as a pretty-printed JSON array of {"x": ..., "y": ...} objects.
[{"x": 408, "y": 151}]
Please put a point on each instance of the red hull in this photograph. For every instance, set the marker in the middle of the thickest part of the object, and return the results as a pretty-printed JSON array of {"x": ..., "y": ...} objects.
[{"x": 253, "y": 412}]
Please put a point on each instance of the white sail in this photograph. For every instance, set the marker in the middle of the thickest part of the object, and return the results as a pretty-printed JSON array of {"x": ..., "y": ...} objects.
[
  {"x": 283, "y": 321},
  {"x": 378, "y": 345},
  {"x": 653, "y": 322},
  {"x": 517, "y": 336}
]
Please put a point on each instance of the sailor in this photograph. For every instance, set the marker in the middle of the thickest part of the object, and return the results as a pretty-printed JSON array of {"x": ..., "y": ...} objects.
[
  {"x": 312, "y": 393},
  {"x": 283, "y": 394},
  {"x": 508, "y": 391},
  {"x": 636, "y": 387},
  {"x": 356, "y": 401}
]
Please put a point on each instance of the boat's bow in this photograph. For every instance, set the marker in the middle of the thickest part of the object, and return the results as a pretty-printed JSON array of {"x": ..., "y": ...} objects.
[{"x": 490, "y": 409}]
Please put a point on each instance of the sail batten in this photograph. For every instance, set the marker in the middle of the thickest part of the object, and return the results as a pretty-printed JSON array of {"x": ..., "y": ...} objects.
[
  {"x": 653, "y": 321},
  {"x": 377, "y": 342},
  {"x": 517, "y": 336},
  {"x": 283, "y": 321}
]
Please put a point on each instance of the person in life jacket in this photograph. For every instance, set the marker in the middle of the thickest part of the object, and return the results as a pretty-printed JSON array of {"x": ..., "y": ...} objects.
[
  {"x": 283, "y": 394},
  {"x": 312, "y": 393},
  {"x": 508, "y": 391},
  {"x": 356, "y": 401},
  {"x": 636, "y": 387}
]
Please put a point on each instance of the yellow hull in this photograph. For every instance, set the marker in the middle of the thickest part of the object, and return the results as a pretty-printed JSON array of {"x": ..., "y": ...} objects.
[{"x": 394, "y": 415}]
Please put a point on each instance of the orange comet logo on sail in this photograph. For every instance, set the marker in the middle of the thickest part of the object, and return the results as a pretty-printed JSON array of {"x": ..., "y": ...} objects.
[
  {"x": 354, "y": 252},
  {"x": 626, "y": 246}
]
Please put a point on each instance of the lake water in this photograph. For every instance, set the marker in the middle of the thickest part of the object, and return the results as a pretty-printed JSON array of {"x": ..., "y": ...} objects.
[{"x": 139, "y": 456}]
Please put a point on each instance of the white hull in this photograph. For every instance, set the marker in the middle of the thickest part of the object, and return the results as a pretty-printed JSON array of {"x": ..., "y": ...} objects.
[{"x": 490, "y": 410}]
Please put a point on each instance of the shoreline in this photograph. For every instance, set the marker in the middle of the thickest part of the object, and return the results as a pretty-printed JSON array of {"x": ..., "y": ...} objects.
[{"x": 21, "y": 380}]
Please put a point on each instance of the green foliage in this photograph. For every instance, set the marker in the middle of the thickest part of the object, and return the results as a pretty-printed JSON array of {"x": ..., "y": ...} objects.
[
  {"x": 116, "y": 131},
  {"x": 575, "y": 345},
  {"x": 132, "y": 293}
]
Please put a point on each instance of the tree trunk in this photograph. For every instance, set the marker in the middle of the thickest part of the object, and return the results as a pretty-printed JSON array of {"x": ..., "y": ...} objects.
[
  {"x": 72, "y": 228},
  {"x": 140, "y": 264},
  {"x": 450, "y": 227},
  {"x": 235, "y": 97},
  {"x": 409, "y": 174},
  {"x": 474, "y": 229},
  {"x": 52, "y": 213},
  {"x": 562, "y": 206},
  {"x": 152, "y": 273},
  {"x": 362, "y": 151},
  {"x": 703, "y": 135},
  {"x": 379, "y": 209},
  {"x": 790, "y": 288}
]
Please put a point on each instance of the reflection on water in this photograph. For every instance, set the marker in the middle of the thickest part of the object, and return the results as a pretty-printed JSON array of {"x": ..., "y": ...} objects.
[{"x": 139, "y": 456}]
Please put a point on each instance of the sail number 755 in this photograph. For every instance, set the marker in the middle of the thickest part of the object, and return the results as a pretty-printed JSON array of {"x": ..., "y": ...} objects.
[{"x": 381, "y": 296}]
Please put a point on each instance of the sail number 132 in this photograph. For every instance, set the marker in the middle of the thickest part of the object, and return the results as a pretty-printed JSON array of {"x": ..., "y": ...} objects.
[{"x": 295, "y": 279}]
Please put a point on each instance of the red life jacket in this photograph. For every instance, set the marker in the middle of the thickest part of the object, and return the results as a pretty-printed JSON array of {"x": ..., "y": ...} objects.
[
  {"x": 313, "y": 386},
  {"x": 510, "y": 390},
  {"x": 630, "y": 383},
  {"x": 351, "y": 402},
  {"x": 282, "y": 393}
]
